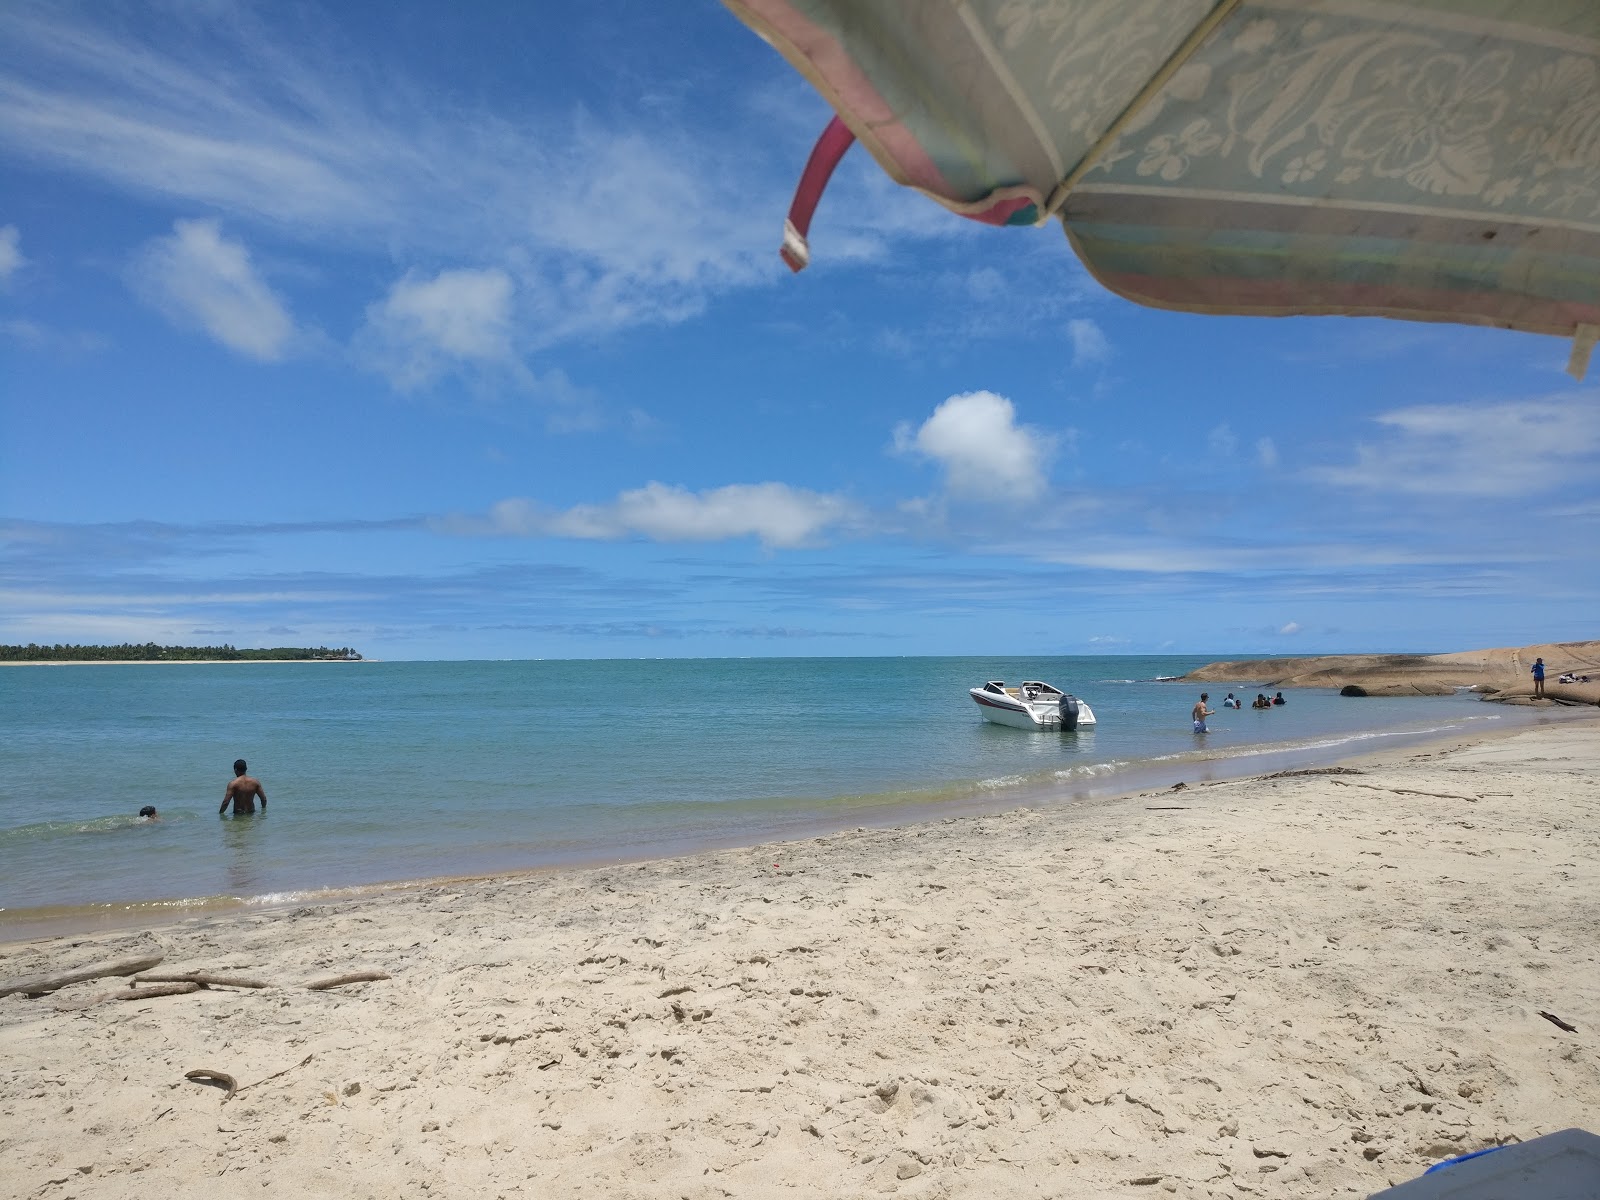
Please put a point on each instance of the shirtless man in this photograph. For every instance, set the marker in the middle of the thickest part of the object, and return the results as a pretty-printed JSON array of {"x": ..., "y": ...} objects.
[
  {"x": 1201, "y": 712},
  {"x": 242, "y": 792}
]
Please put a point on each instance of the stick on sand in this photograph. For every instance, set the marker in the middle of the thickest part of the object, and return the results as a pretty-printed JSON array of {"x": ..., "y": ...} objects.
[
  {"x": 42, "y": 985},
  {"x": 203, "y": 978},
  {"x": 322, "y": 985}
]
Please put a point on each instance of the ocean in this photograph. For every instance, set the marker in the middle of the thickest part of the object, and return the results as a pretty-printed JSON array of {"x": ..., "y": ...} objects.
[{"x": 390, "y": 771}]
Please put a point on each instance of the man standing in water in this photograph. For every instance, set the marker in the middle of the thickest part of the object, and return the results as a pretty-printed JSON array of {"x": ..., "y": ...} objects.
[
  {"x": 1201, "y": 712},
  {"x": 242, "y": 792}
]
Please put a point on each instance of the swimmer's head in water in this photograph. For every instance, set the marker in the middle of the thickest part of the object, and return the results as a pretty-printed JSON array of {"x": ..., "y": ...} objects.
[
  {"x": 238, "y": 766},
  {"x": 149, "y": 810}
]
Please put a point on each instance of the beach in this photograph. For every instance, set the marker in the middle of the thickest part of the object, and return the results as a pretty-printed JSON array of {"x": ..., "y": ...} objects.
[
  {"x": 1502, "y": 673},
  {"x": 1305, "y": 986}
]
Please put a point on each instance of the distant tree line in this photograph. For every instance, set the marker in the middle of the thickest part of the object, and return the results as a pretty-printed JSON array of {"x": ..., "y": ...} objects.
[{"x": 150, "y": 652}]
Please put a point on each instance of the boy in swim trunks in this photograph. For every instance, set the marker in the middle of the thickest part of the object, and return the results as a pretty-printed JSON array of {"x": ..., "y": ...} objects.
[{"x": 242, "y": 792}]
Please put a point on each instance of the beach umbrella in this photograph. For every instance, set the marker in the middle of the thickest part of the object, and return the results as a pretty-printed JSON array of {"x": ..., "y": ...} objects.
[{"x": 1434, "y": 160}]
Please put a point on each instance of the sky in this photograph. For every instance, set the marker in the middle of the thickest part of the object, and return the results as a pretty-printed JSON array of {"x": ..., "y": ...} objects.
[{"x": 461, "y": 332}]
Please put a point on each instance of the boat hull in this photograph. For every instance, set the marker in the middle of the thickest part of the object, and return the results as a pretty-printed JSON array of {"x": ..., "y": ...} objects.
[{"x": 1018, "y": 714}]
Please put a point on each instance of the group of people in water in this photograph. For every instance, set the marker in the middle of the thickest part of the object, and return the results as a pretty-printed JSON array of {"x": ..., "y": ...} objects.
[
  {"x": 242, "y": 792},
  {"x": 1260, "y": 701},
  {"x": 1202, "y": 711}
]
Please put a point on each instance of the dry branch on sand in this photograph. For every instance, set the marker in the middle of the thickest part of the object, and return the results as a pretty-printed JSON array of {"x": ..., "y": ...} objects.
[
  {"x": 203, "y": 978},
  {"x": 43, "y": 985},
  {"x": 322, "y": 985}
]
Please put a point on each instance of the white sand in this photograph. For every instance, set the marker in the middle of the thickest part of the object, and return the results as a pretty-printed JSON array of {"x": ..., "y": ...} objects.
[{"x": 1301, "y": 987}]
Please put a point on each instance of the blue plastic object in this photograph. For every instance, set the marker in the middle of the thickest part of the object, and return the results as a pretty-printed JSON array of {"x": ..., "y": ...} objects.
[
  {"x": 1461, "y": 1158},
  {"x": 1557, "y": 1166}
]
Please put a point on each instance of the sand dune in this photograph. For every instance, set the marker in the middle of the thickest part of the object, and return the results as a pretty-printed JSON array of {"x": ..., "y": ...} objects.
[
  {"x": 1300, "y": 987},
  {"x": 1503, "y": 674}
]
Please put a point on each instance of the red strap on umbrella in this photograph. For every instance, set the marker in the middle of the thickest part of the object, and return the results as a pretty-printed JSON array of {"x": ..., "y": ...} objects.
[{"x": 825, "y": 156}]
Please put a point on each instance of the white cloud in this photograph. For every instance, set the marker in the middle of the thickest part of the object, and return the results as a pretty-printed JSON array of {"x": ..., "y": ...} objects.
[
  {"x": 1142, "y": 554},
  {"x": 602, "y": 223},
  {"x": 1223, "y": 442},
  {"x": 1267, "y": 452},
  {"x": 985, "y": 454},
  {"x": 1289, "y": 630},
  {"x": 1089, "y": 343},
  {"x": 775, "y": 513},
  {"x": 10, "y": 251},
  {"x": 198, "y": 277},
  {"x": 425, "y": 327},
  {"x": 1515, "y": 448}
]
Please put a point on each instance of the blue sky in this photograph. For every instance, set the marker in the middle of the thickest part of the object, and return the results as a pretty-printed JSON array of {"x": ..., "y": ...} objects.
[{"x": 452, "y": 336}]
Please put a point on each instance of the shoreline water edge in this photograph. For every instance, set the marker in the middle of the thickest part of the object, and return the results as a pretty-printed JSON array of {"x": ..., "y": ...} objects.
[
  {"x": 1078, "y": 785},
  {"x": 1300, "y": 983}
]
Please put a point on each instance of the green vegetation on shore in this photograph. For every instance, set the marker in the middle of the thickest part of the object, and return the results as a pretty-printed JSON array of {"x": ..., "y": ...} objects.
[{"x": 150, "y": 652}]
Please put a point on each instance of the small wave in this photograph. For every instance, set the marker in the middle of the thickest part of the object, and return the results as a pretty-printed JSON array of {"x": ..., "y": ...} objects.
[
  {"x": 1003, "y": 781},
  {"x": 1091, "y": 770}
]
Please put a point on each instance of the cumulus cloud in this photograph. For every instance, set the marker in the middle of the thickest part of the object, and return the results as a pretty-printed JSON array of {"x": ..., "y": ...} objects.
[
  {"x": 1090, "y": 346},
  {"x": 1515, "y": 448},
  {"x": 985, "y": 454},
  {"x": 1266, "y": 452},
  {"x": 10, "y": 251},
  {"x": 198, "y": 278},
  {"x": 1289, "y": 630},
  {"x": 775, "y": 513},
  {"x": 1223, "y": 442},
  {"x": 426, "y": 326}
]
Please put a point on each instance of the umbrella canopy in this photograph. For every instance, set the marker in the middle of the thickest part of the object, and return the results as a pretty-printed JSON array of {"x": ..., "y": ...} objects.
[{"x": 1434, "y": 160}]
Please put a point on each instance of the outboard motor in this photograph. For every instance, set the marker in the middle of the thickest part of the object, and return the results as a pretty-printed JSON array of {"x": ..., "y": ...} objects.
[{"x": 1069, "y": 714}]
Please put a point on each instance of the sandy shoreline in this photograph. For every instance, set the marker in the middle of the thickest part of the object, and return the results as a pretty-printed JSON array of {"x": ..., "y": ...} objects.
[
  {"x": 1302, "y": 986},
  {"x": 1505, "y": 673},
  {"x": 178, "y": 662},
  {"x": 19, "y": 924}
]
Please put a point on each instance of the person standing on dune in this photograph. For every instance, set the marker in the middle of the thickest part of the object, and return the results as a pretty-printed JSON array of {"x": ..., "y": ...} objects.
[
  {"x": 1538, "y": 679},
  {"x": 242, "y": 792}
]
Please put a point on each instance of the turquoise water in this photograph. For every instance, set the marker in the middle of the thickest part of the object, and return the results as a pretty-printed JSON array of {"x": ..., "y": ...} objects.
[{"x": 391, "y": 771}]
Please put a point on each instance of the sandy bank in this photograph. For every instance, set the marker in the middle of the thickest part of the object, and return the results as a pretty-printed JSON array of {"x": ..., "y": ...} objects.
[
  {"x": 1506, "y": 673},
  {"x": 1300, "y": 986},
  {"x": 179, "y": 662}
]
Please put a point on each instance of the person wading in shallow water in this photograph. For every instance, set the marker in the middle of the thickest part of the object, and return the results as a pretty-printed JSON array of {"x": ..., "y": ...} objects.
[{"x": 242, "y": 792}]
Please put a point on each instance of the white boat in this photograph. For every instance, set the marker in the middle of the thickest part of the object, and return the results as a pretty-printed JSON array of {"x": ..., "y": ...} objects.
[{"x": 1031, "y": 705}]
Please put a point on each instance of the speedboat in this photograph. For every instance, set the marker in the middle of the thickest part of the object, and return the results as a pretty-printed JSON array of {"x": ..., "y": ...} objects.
[{"x": 1031, "y": 705}]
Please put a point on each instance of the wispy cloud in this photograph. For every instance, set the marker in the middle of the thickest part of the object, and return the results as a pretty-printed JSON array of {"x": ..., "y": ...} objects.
[
  {"x": 1223, "y": 442},
  {"x": 427, "y": 326},
  {"x": 601, "y": 223},
  {"x": 10, "y": 251},
  {"x": 1090, "y": 346},
  {"x": 775, "y": 513},
  {"x": 1510, "y": 449},
  {"x": 199, "y": 278},
  {"x": 985, "y": 454}
]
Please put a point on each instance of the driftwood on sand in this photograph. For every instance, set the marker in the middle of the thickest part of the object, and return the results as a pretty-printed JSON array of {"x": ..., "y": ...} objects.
[
  {"x": 128, "y": 993},
  {"x": 203, "y": 978},
  {"x": 322, "y": 985},
  {"x": 43, "y": 985},
  {"x": 221, "y": 1078},
  {"x": 161, "y": 989}
]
